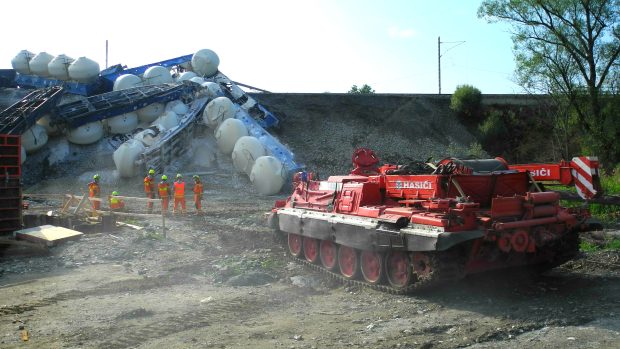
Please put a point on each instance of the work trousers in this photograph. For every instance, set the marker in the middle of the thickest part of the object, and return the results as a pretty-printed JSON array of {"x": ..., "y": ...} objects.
[
  {"x": 177, "y": 202},
  {"x": 198, "y": 202},
  {"x": 149, "y": 205},
  {"x": 164, "y": 204},
  {"x": 96, "y": 203}
]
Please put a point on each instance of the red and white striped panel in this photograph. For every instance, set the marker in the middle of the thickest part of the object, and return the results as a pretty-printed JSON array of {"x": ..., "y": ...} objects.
[{"x": 584, "y": 169}]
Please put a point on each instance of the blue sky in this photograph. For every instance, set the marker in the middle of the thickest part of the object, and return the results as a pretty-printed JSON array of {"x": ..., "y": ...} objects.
[{"x": 278, "y": 45}]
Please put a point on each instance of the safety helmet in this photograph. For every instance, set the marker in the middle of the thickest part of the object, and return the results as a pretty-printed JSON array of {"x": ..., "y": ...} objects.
[
  {"x": 179, "y": 175},
  {"x": 115, "y": 193},
  {"x": 196, "y": 177},
  {"x": 96, "y": 177},
  {"x": 164, "y": 178},
  {"x": 151, "y": 172}
]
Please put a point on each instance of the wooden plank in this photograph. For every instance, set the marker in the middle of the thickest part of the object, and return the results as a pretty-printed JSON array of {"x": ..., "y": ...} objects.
[
  {"x": 67, "y": 204},
  {"x": 49, "y": 235},
  {"x": 80, "y": 204},
  {"x": 133, "y": 226},
  {"x": 128, "y": 214}
]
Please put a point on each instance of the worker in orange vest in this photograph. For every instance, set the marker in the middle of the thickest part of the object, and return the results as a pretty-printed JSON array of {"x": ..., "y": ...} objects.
[
  {"x": 179, "y": 194},
  {"x": 94, "y": 191},
  {"x": 116, "y": 203},
  {"x": 198, "y": 189},
  {"x": 149, "y": 189},
  {"x": 164, "y": 191}
]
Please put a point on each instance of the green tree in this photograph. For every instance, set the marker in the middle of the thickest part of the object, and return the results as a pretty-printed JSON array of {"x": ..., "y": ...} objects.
[
  {"x": 366, "y": 89},
  {"x": 569, "y": 49},
  {"x": 466, "y": 100}
]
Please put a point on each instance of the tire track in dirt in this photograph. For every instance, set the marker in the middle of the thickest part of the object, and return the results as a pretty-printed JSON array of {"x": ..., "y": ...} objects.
[
  {"x": 106, "y": 289},
  {"x": 127, "y": 335}
]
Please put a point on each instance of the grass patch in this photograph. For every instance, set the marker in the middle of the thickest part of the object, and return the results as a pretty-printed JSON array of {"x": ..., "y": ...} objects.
[
  {"x": 608, "y": 215},
  {"x": 609, "y": 245},
  {"x": 236, "y": 265},
  {"x": 586, "y": 246},
  {"x": 611, "y": 183},
  {"x": 153, "y": 235},
  {"x": 133, "y": 221},
  {"x": 272, "y": 263},
  {"x": 614, "y": 244}
]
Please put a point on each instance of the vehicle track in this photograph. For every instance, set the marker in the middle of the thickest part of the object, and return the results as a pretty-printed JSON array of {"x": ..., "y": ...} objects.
[
  {"x": 126, "y": 335},
  {"x": 106, "y": 289}
]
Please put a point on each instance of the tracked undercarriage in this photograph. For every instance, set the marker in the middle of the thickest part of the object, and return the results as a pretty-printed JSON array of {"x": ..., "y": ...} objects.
[{"x": 399, "y": 230}]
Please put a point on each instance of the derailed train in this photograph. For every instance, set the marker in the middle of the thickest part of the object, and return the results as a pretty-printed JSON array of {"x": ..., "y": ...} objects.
[{"x": 403, "y": 228}]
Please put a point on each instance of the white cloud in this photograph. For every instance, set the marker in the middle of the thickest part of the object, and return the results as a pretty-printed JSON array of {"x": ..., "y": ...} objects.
[{"x": 395, "y": 32}]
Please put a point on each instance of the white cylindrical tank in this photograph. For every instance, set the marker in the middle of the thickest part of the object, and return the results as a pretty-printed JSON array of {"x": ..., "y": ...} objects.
[
  {"x": 246, "y": 151},
  {"x": 38, "y": 64},
  {"x": 218, "y": 110},
  {"x": 150, "y": 112},
  {"x": 124, "y": 123},
  {"x": 59, "y": 67},
  {"x": 125, "y": 158},
  {"x": 268, "y": 175},
  {"x": 186, "y": 76},
  {"x": 34, "y": 138},
  {"x": 143, "y": 125},
  {"x": 84, "y": 70},
  {"x": 157, "y": 75},
  {"x": 150, "y": 135},
  {"x": 86, "y": 134},
  {"x": 198, "y": 80},
  {"x": 186, "y": 66},
  {"x": 44, "y": 121},
  {"x": 213, "y": 89},
  {"x": 21, "y": 62},
  {"x": 205, "y": 62},
  {"x": 23, "y": 155},
  {"x": 228, "y": 133},
  {"x": 126, "y": 81},
  {"x": 168, "y": 120},
  {"x": 177, "y": 106}
]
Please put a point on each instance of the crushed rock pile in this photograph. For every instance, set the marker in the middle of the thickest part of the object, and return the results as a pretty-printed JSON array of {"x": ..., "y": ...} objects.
[{"x": 323, "y": 130}]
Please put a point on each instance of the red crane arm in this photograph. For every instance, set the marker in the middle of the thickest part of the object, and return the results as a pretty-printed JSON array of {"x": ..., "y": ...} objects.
[{"x": 581, "y": 171}]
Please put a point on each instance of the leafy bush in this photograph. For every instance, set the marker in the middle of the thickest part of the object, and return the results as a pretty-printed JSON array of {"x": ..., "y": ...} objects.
[
  {"x": 466, "y": 100},
  {"x": 608, "y": 214},
  {"x": 493, "y": 127},
  {"x": 366, "y": 89},
  {"x": 476, "y": 152}
]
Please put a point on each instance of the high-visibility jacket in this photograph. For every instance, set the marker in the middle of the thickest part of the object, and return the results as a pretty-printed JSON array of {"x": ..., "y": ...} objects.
[
  {"x": 164, "y": 188},
  {"x": 116, "y": 203},
  {"x": 198, "y": 188},
  {"x": 149, "y": 184},
  {"x": 179, "y": 189},
  {"x": 93, "y": 189}
]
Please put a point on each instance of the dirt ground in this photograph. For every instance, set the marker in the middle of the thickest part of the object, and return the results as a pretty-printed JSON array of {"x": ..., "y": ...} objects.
[{"x": 220, "y": 281}]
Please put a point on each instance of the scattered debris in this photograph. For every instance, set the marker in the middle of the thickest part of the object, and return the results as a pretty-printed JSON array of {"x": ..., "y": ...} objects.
[
  {"x": 24, "y": 335},
  {"x": 250, "y": 279},
  {"x": 133, "y": 226},
  {"x": 306, "y": 281}
]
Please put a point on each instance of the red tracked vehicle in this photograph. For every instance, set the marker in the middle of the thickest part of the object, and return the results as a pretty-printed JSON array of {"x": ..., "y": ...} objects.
[{"x": 403, "y": 228}]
